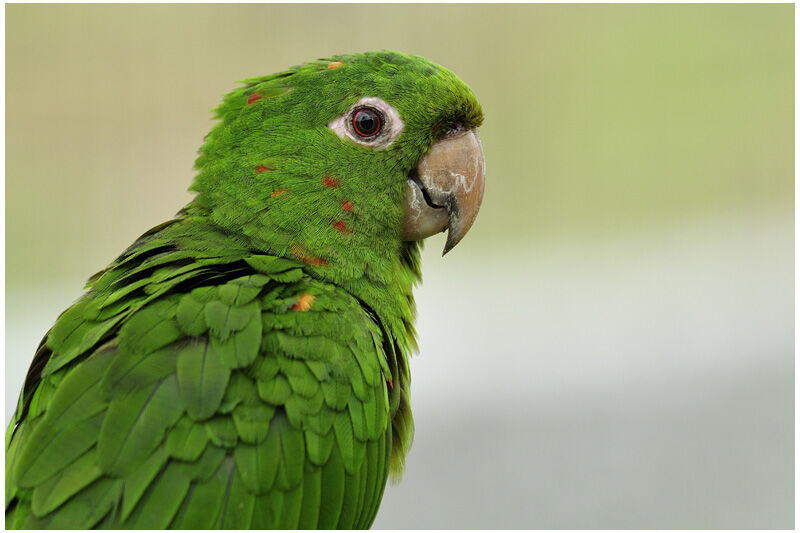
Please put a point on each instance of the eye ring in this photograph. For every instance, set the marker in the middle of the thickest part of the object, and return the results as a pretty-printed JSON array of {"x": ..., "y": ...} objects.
[
  {"x": 391, "y": 124},
  {"x": 367, "y": 122}
]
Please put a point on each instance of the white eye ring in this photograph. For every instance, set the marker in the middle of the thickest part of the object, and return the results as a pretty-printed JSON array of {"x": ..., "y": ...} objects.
[{"x": 391, "y": 128}]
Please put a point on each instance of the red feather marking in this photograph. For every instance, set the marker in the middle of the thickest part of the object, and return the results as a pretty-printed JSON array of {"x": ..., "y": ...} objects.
[
  {"x": 341, "y": 227},
  {"x": 330, "y": 181},
  {"x": 300, "y": 254},
  {"x": 391, "y": 385},
  {"x": 262, "y": 168},
  {"x": 347, "y": 205},
  {"x": 254, "y": 97},
  {"x": 277, "y": 192}
]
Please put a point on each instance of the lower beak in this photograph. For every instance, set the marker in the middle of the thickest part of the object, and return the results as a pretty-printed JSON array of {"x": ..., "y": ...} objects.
[{"x": 445, "y": 191}]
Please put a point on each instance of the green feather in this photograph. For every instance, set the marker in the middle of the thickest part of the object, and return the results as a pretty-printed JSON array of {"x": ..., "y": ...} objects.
[
  {"x": 265, "y": 368},
  {"x": 359, "y": 423},
  {"x": 352, "y": 495},
  {"x": 238, "y": 294},
  {"x": 372, "y": 477},
  {"x": 238, "y": 502},
  {"x": 383, "y": 467},
  {"x": 129, "y": 371},
  {"x": 57, "y": 489},
  {"x": 52, "y": 449},
  {"x": 332, "y": 485},
  {"x": 255, "y": 281},
  {"x": 136, "y": 424},
  {"x": 275, "y": 391},
  {"x": 319, "y": 446},
  {"x": 322, "y": 421},
  {"x": 360, "y": 387},
  {"x": 13, "y": 446},
  {"x": 203, "y": 468},
  {"x": 302, "y": 381},
  {"x": 190, "y": 315},
  {"x": 348, "y": 444},
  {"x": 222, "y": 431},
  {"x": 84, "y": 510},
  {"x": 320, "y": 369},
  {"x": 202, "y": 379},
  {"x": 150, "y": 328},
  {"x": 40, "y": 399},
  {"x": 258, "y": 464},
  {"x": 291, "y": 507},
  {"x": 241, "y": 347},
  {"x": 72, "y": 336},
  {"x": 69, "y": 428},
  {"x": 336, "y": 394},
  {"x": 223, "y": 319},
  {"x": 203, "y": 502},
  {"x": 162, "y": 500},
  {"x": 268, "y": 264},
  {"x": 187, "y": 440},
  {"x": 312, "y": 497},
  {"x": 301, "y": 411},
  {"x": 311, "y": 347},
  {"x": 266, "y": 510},
  {"x": 241, "y": 390},
  {"x": 290, "y": 471},
  {"x": 252, "y": 421},
  {"x": 78, "y": 396},
  {"x": 136, "y": 482}
]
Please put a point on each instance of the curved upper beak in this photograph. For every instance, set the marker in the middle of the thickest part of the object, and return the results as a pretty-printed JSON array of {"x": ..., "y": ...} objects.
[{"x": 446, "y": 190}]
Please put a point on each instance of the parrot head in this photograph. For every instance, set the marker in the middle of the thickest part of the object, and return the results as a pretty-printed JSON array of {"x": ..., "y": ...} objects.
[{"x": 342, "y": 162}]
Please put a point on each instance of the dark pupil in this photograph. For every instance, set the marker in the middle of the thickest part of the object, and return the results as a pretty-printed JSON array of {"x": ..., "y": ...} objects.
[{"x": 367, "y": 123}]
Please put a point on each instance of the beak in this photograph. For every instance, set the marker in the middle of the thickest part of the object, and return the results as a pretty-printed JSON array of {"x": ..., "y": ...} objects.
[{"x": 445, "y": 190}]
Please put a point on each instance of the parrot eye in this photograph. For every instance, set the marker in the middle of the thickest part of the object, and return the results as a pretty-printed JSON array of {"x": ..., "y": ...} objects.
[
  {"x": 367, "y": 122},
  {"x": 370, "y": 122}
]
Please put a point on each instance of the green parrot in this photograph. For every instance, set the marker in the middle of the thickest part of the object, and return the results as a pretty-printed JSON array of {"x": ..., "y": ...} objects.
[{"x": 245, "y": 365}]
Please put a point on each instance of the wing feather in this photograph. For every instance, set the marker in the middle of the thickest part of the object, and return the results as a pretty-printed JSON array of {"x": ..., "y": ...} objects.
[{"x": 219, "y": 405}]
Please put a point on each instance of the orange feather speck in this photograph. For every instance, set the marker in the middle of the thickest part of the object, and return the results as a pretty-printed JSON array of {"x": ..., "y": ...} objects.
[
  {"x": 335, "y": 64},
  {"x": 300, "y": 254},
  {"x": 304, "y": 303},
  {"x": 262, "y": 168},
  {"x": 347, "y": 205},
  {"x": 277, "y": 192},
  {"x": 254, "y": 97}
]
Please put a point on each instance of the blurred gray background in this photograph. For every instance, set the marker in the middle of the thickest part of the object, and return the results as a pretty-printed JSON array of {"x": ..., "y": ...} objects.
[{"x": 610, "y": 347}]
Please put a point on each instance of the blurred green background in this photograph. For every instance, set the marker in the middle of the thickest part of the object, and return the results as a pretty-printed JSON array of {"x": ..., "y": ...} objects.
[{"x": 611, "y": 346}]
